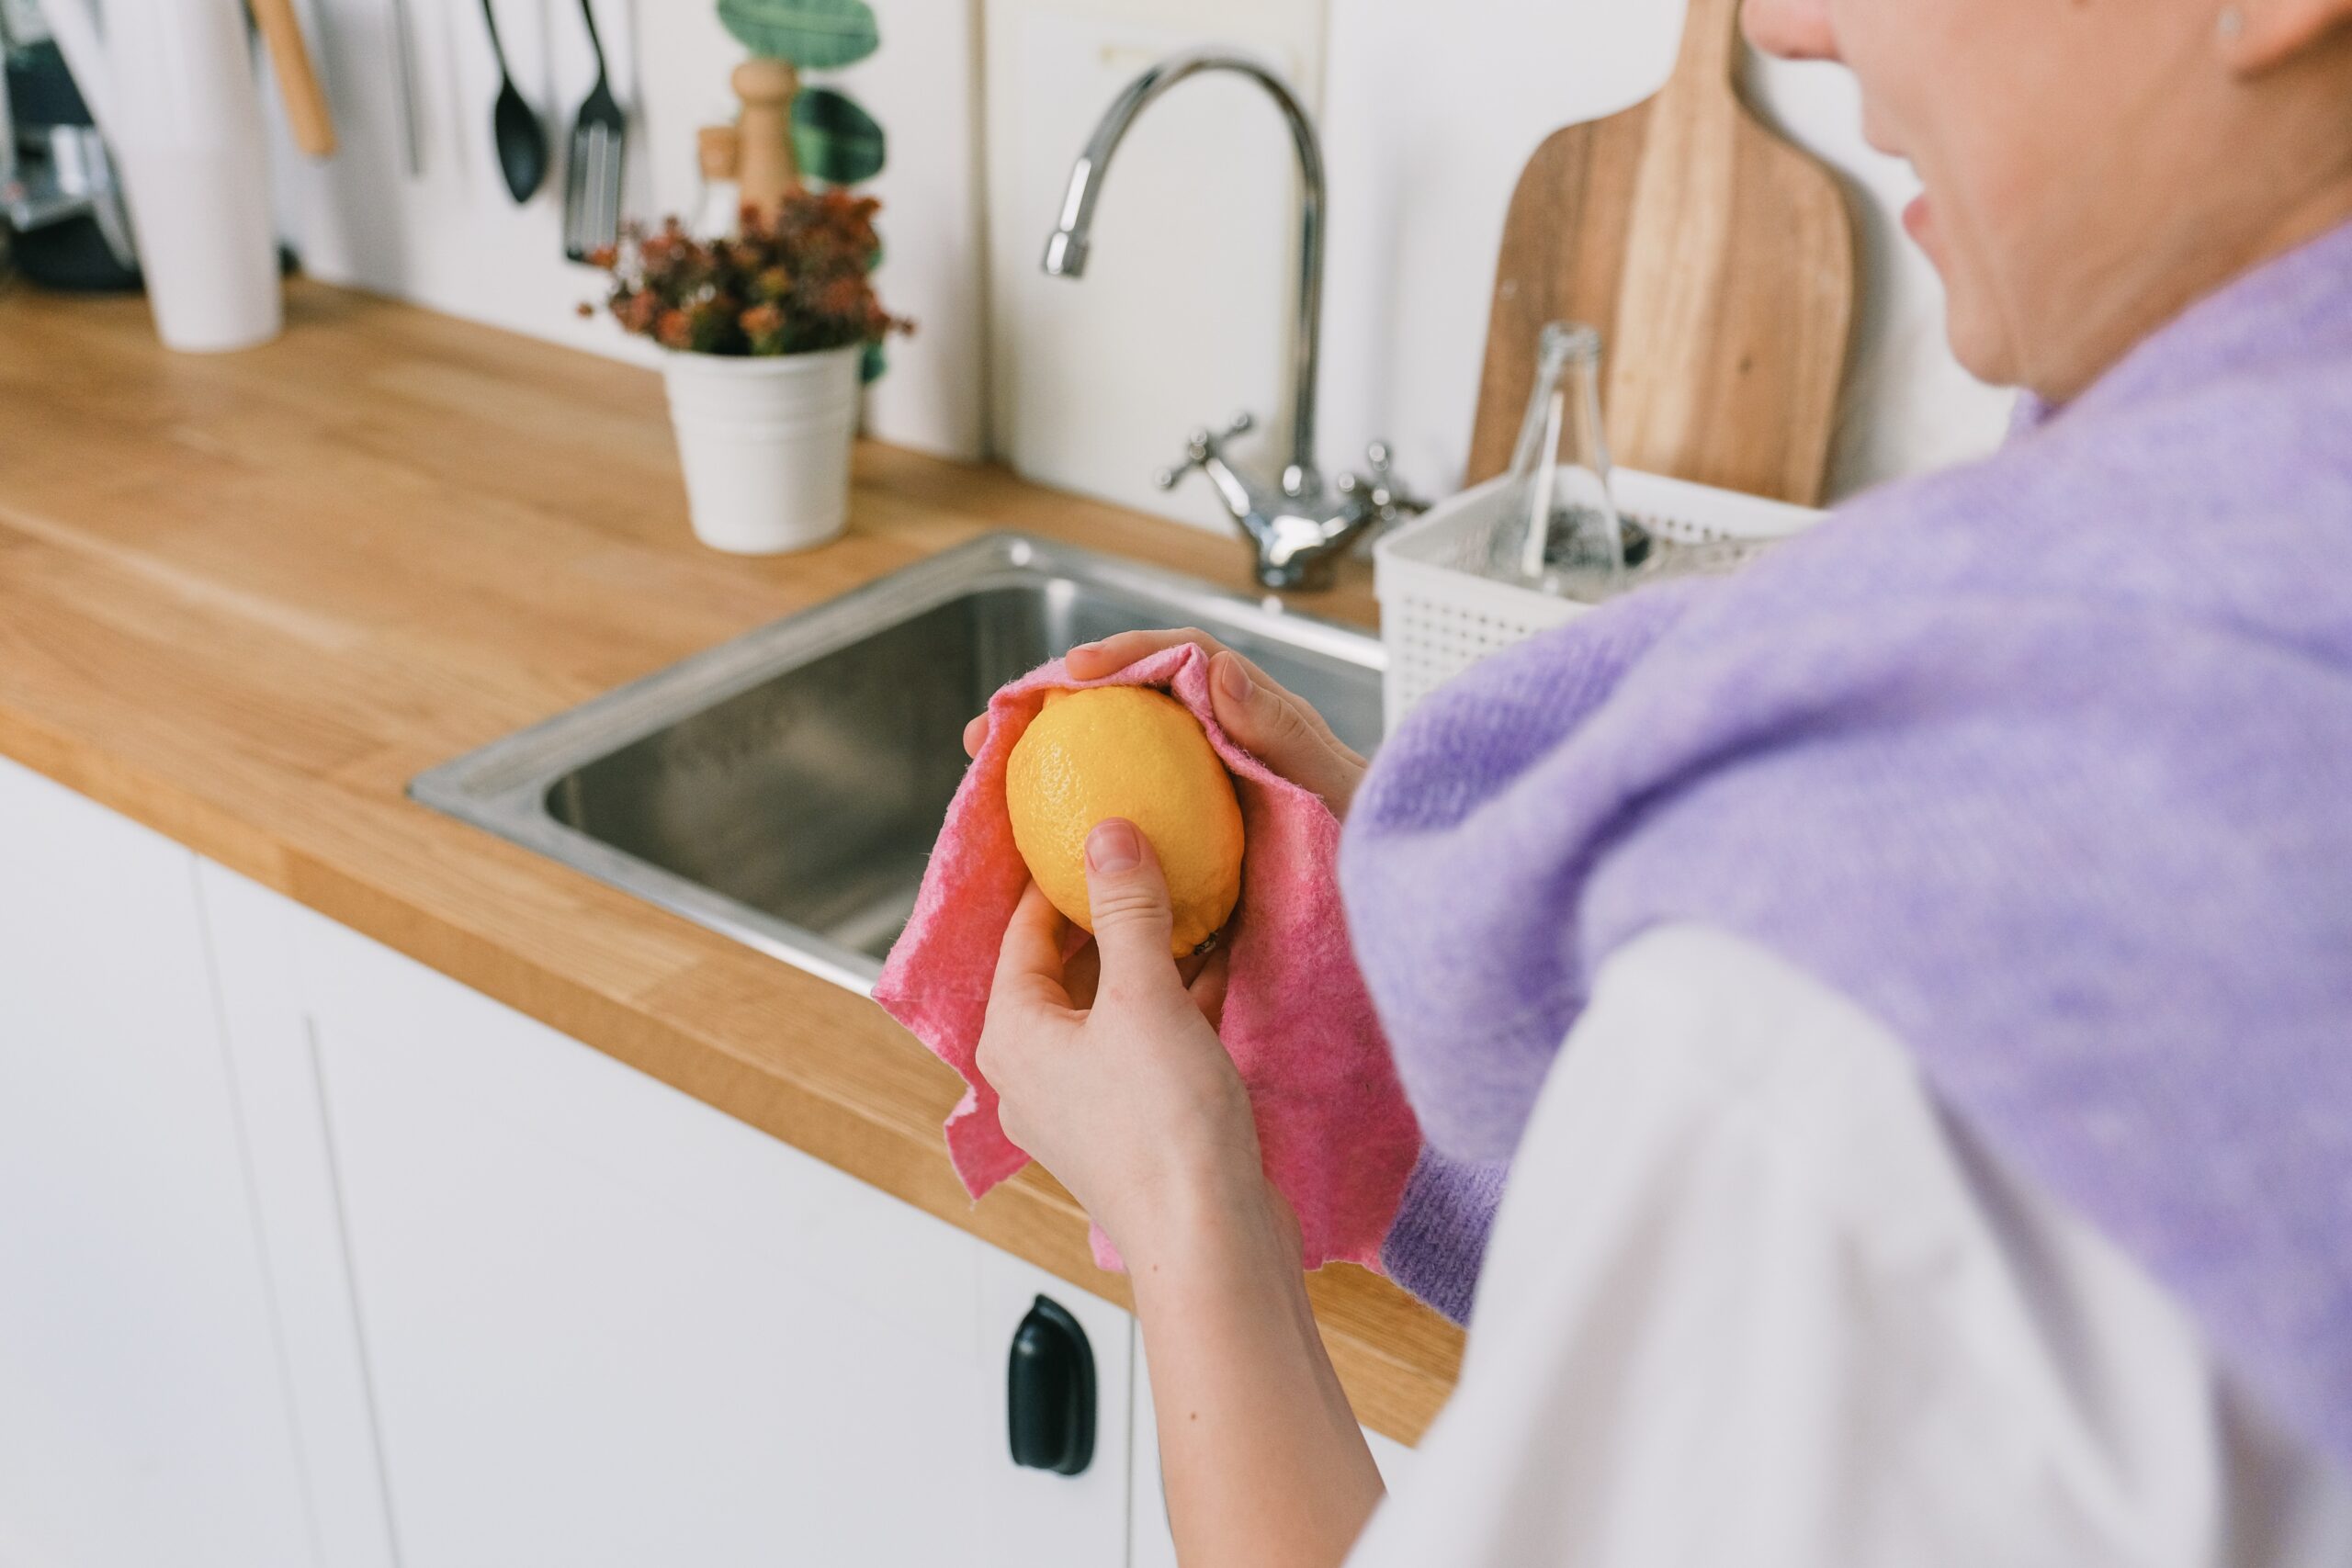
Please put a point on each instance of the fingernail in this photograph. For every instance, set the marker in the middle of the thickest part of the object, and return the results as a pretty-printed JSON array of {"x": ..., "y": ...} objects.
[
  {"x": 1082, "y": 648},
  {"x": 1233, "y": 680},
  {"x": 1114, "y": 846}
]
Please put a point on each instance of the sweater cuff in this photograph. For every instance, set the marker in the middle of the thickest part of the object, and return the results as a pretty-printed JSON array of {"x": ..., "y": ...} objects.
[{"x": 1439, "y": 1241}]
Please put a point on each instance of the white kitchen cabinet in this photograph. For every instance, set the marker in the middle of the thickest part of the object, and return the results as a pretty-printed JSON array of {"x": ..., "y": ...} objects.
[
  {"x": 599, "y": 1323},
  {"x": 312, "y": 1256},
  {"x": 143, "y": 1417}
]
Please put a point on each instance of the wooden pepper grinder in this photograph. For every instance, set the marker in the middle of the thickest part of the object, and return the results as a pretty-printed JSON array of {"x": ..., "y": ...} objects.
[{"x": 767, "y": 166}]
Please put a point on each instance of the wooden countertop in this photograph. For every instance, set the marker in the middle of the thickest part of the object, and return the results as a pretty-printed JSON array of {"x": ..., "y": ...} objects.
[{"x": 245, "y": 599}]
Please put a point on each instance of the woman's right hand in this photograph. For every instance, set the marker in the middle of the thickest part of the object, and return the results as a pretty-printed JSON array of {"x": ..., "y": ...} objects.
[{"x": 1278, "y": 729}]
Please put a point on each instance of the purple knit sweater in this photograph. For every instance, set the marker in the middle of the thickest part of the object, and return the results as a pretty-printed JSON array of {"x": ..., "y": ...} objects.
[{"x": 2047, "y": 761}]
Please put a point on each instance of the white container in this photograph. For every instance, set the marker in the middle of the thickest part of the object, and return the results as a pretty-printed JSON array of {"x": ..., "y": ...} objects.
[
  {"x": 1436, "y": 619},
  {"x": 766, "y": 445},
  {"x": 170, "y": 84}
]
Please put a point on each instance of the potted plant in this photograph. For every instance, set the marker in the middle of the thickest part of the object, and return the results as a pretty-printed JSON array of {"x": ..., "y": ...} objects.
[{"x": 763, "y": 333}]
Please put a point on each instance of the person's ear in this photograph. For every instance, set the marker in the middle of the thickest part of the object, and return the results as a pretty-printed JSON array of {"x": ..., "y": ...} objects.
[{"x": 2260, "y": 36}]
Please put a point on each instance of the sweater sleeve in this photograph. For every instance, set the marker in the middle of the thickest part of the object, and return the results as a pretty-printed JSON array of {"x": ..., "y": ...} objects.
[{"x": 1439, "y": 1241}]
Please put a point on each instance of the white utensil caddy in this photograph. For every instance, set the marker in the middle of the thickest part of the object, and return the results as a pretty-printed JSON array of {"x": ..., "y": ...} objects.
[{"x": 1437, "y": 620}]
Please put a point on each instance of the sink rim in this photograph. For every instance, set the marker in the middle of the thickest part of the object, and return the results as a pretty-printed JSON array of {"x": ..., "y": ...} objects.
[{"x": 502, "y": 787}]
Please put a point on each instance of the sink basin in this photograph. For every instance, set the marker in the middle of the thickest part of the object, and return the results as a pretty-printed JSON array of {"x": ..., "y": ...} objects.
[{"x": 784, "y": 788}]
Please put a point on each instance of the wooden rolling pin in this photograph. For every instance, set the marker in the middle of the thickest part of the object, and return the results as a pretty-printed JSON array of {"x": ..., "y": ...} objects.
[
  {"x": 307, "y": 114},
  {"x": 768, "y": 168}
]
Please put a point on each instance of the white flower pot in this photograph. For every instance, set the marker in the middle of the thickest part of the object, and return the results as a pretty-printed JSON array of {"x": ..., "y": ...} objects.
[{"x": 766, "y": 445}]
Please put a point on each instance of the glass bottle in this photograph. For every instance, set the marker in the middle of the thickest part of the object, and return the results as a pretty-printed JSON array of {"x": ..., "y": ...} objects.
[
  {"x": 1559, "y": 530},
  {"x": 719, "y": 150}
]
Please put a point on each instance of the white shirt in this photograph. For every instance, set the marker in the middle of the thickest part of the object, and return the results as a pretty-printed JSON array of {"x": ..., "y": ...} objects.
[{"x": 1751, "y": 1300}]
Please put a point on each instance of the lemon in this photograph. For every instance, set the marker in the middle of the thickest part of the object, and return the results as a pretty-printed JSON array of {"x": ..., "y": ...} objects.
[{"x": 1139, "y": 753}]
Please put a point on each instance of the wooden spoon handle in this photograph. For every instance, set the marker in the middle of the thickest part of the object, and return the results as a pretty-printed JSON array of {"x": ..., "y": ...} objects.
[{"x": 307, "y": 114}]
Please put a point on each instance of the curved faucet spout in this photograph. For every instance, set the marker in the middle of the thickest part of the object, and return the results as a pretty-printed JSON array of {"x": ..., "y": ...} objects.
[{"x": 1067, "y": 250}]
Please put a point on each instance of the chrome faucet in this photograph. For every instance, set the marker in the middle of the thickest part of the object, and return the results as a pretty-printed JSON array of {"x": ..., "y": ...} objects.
[{"x": 1295, "y": 520}]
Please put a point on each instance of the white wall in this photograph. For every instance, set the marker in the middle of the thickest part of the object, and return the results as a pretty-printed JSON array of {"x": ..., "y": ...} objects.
[
  {"x": 1184, "y": 314},
  {"x": 446, "y": 234},
  {"x": 1428, "y": 116},
  {"x": 1426, "y": 143},
  {"x": 448, "y": 237}
]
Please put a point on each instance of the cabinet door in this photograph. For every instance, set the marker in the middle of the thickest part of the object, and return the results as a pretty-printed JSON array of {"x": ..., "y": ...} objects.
[
  {"x": 604, "y": 1324},
  {"x": 1041, "y": 1516},
  {"x": 142, "y": 1414}
]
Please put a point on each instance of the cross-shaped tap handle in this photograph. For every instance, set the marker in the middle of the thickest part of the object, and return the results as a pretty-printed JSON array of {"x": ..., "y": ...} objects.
[
  {"x": 1383, "y": 493},
  {"x": 1202, "y": 447}
]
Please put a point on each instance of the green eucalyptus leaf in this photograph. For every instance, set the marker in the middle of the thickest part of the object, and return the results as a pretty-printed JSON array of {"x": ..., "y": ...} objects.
[
  {"x": 834, "y": 139},
  {"x": 816, "y": 34}
]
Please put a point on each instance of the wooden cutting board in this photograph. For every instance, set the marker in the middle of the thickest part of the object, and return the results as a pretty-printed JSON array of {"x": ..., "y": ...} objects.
[{"x": 1717, "y": 260}]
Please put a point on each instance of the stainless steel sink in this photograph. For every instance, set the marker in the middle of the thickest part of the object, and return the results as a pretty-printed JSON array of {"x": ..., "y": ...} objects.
[{"x": 784, "y": 788}]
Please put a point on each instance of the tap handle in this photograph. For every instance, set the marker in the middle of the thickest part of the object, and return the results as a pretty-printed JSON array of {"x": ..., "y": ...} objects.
[
  {"x": 1389, "y": 493},
  {"x": 1202, "y": 446},
  {"x": 1384, "y": 495}
]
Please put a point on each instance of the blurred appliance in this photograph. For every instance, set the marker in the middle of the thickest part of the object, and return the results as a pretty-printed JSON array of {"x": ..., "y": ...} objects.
[{"x": 58, "y": 188}]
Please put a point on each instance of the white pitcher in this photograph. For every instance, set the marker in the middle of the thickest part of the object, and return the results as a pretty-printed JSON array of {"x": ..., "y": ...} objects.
[{"x": 170, "y": 84}]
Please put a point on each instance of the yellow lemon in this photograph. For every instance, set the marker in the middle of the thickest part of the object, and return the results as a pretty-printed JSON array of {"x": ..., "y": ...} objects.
[{"x": 1139, "y": 753}]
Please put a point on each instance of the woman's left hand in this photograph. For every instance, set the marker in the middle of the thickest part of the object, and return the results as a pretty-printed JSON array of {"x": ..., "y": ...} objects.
[{"x": 1126, "y": 1095}]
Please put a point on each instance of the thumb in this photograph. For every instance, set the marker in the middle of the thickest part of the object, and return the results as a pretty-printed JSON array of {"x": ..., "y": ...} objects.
[{"x": 1128, "y": 902}]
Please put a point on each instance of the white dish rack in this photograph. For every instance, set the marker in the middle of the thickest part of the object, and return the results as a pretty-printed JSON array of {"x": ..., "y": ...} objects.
[{"x": 1437, "y": 619}]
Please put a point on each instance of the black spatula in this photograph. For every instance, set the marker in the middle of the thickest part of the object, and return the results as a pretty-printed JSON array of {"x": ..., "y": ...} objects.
[
  {"x": 514, "y": 129},
  {"x": 592, "y": 196}
]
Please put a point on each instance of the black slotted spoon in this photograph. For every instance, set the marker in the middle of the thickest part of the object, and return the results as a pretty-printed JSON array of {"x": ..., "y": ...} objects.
[
  {"x": 514, "y": 129},
  {"x": 592, "y": 196}
]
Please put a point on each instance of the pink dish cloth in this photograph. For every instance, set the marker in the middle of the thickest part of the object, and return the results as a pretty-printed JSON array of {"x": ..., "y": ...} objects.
[{"x": 1339, "y": 1140}]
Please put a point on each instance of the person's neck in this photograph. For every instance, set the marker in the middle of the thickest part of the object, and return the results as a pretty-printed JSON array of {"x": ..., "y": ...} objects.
[{"x": 2213, "y": 267}]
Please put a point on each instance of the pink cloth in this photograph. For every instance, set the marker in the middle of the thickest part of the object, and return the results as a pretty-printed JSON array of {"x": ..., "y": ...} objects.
[{"x": 1339, "y": 1140}]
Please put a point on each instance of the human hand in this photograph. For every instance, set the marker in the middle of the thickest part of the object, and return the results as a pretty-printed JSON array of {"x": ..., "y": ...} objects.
[
  {"x": 1130, "y": 1098},
  {"x": 1278, "y": 729},
  {"x": 1126, "y": 1095}
]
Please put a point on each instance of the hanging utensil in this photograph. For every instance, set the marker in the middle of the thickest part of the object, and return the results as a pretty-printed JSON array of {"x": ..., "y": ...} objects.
[
  {"x": 307, "y": 114},
  {"x": 592, "y": 198},
  {"x": 404, "y": 71},
  {"x": 521, "y": 144}
]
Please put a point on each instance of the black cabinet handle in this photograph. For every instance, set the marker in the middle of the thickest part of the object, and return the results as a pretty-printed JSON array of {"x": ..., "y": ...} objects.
[{"x": 1049, "y": 1392}]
